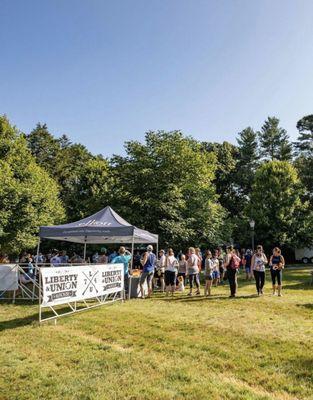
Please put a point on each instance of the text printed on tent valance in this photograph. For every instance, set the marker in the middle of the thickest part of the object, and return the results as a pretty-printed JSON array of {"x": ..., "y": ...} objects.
[{"x": 62, "y": 285}]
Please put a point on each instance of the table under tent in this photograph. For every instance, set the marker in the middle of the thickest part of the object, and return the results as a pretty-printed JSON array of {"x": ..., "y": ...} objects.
[{"x": 103, "y": 227}]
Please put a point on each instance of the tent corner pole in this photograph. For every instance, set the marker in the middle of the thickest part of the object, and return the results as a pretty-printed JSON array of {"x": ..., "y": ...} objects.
[
  {"x": 85, "y": 246},
  {"x": 36, "y": 268},
  {"x": 39, "y": 296},
  {"x": 131, "y": 267},
  {"x": 132, "y": 253},
  {"x": 38, "y": 249}
]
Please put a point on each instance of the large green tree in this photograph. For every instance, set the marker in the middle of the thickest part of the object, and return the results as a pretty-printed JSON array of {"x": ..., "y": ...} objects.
[
  {"x": 226, "y": 155},
  {"x": 29, "y": 197},
  {"x": 304, "y": 144},
  {"x": 274, "y": 141},
  {"x": 93, "y": 188},
  {"x": 304, "y": 150},
  {"x": 70, "y": 165},
  {"x": 248, "y": 160},
  {"x": 44, "y": 147},
  {"x": 166, "y": 185},
  {"x": 282, "y": 218}
]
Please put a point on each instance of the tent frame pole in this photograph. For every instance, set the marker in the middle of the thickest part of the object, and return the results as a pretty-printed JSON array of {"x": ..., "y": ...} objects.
[
  {"x": 36, "y": 268},
  {"x": 85, "y": 246},
  {"x": 38, "y": 248},
  {"x": 131, "y": 266},
  {"x": 39, "y": 297}
]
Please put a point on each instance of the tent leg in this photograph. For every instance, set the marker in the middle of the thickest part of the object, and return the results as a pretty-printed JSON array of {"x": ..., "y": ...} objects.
[
  {"x": 39, "y": 297},
  {"x": 85, "y": 245},
  {"x": 131, "y": 268},
  {"x": 36, "y": 269}
]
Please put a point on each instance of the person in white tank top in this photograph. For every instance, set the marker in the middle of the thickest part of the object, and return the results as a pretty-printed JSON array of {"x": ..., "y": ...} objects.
[
  {"x": 193, "y": 270},
  {"x": 171, "y": 267}
]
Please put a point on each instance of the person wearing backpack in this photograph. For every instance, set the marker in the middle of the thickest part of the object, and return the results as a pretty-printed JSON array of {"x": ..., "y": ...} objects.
[
  {"x": 258, "y": 262},
  {"x": 232, "y": 264},
  {"x": 277, "y": 264}
]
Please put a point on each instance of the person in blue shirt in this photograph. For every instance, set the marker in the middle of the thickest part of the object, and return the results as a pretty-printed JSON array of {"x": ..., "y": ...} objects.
[
  {"x": 64, "y": 257},
  {"x": 123, "y": 257},
  {"x": 148, "y": 262},
  {"x": 112, "y": 256}
]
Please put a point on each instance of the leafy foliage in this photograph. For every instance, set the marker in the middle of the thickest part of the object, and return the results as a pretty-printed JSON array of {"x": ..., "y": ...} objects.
[
  {"x": 188, "y": 192},
  {"x": 274, "y": 141},
  {"x": 92, "y": 189},
  {"x": 248, "y": 160},
  {"x": 28, "y": 196},
  {"x": 79, "y": 174},
  {"x": 226, "y": 163},
  {"x": 304, "y": 144},
  {"x": 304, "y": 149},
  {"x": 281, "y": 217},
  {"x": 166, "y": 185}
]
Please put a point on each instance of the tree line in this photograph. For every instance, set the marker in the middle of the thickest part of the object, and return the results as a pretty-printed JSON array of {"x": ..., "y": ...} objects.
[{"x": 185, "y": 190}]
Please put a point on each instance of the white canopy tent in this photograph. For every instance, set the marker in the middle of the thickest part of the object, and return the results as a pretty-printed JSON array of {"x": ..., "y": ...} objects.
[{"x": 105, "y": 226}]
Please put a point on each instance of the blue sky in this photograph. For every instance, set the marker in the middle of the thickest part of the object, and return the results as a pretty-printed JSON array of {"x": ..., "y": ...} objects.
[{"x": 108, "y": 71}]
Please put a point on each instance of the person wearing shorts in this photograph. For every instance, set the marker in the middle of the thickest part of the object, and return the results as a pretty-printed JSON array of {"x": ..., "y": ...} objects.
[
  {"x": 277, "y": 264},
  {"x": 208, "y": 273},
  {"x": 193, "y": 270},
  {"x": 148, "y": 262},
  {"x": 171, "y": 266},
  {"x": 159, "y": 271},
  {"x": 215, "y": 270},
  {"x": 182, "y": 268}
]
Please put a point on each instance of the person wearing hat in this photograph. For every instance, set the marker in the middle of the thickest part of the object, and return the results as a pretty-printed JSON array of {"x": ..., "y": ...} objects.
[{"x": 148, "y": 262}]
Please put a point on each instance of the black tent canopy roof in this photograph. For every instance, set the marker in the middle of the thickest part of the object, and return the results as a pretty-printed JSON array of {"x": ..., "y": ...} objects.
[{"x": 105, "y": 226}]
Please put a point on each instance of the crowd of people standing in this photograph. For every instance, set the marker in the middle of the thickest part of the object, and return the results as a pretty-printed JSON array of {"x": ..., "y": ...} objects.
[{"x": 168, "y": 272}]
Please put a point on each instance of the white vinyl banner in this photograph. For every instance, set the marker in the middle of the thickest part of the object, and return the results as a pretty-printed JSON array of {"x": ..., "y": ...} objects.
[
  {"x": 8, "y": 277},
  {"x": 74, "y": 283}
]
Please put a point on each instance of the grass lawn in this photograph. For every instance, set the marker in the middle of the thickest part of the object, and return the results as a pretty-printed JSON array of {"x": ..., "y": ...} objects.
[{"x": 182, "y": 348}]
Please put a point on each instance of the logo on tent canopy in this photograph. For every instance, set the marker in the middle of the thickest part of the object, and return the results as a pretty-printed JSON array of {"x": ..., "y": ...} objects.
[{"x": 95, "y": 222}]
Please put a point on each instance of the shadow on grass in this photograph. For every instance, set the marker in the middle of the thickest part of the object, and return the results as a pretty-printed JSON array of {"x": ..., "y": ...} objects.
[
  {"x": 18, "y": 302},
  {"x": 299, "y": 286},
  {"x": 18, "y": 322},
  {"x": 32, "y": 319},
  {"x": 201, "y": 298},
  {"x": 307, "y": 305}
]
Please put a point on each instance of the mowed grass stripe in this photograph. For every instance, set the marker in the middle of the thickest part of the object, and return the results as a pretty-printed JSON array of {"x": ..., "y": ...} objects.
[{"x": 181, "y": 348}]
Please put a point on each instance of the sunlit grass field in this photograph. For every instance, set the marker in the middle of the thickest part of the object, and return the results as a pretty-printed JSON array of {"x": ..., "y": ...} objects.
[{"x": 181, "y": 348}]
